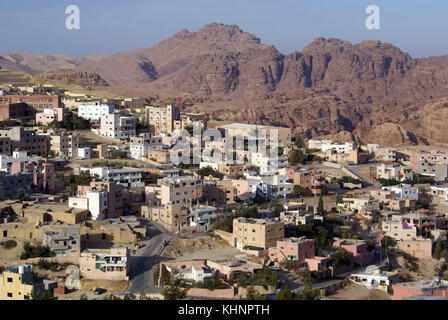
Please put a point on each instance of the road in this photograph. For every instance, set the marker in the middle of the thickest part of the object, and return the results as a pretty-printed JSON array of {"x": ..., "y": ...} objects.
[{"x": 144, "y": 262}]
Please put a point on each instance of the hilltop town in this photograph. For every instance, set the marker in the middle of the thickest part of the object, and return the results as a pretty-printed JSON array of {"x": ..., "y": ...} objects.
[{"x": 96, "y": 204}]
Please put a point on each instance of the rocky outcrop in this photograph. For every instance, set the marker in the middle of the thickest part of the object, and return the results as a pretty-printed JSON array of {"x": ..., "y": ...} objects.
[{"x": 75, "y": 77}]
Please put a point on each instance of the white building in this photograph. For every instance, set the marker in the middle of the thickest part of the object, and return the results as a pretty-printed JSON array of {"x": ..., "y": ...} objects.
[
  {"x": 84, "y": 153},
  {"x": 94, "y": 111},
  {"x": 389, "y": 170},
  {"x": 117, "y": 126},
  {"x": 374, "y": 278},
  {"x": 268, "y": 165},
  {"x": 269, "y": 187},
  {"x": 17, "y": 156},
  {"x": 404, "y": 191},
  {"x": 142, "y": 144},
  {"x": 127, "y": 177},
  {"x": 338, "y": 147},
  {"x": 95, "y": 201},
  {"x": 202, "y": 218}
]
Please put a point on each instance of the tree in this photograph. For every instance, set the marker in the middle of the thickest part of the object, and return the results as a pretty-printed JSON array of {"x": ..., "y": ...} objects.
[
  {"x": 276, "y": 208},
  {"x": 46, "y": 295},
  {"x": 308, "y": 293},
  {"x": 320, "y": 206},
  {"x": 223, "y": 223},
  {"x": 376, "y": 216},
  {"x": 209, "y": 171},
  {"x": 387, "y": 242},
  {"x": 341, "y": 257},
  {"x": 252, "y": 294},
  {"x": 296, "y": 157},
  {"x": 285, "y": 294},
  {"x": 438, "y": 249},
  {"x": 297, "y": 191},
  {"x": 174, "y": 286},
  {"x": 22, "y": 195},
  {"x": 339, "y": 199},
  {"x": 83, "y": 297},
  {"x": 299, "y": 141}
]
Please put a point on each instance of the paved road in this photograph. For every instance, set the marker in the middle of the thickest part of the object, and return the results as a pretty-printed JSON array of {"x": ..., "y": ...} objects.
[{"x": 144, "y": 262}]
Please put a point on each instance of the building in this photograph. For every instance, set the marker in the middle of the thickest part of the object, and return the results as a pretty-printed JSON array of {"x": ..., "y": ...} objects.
[
  {"x": 142, "y": 144},
  {"x": 176, "y": 190},
  {"x": 171, "y": 216},
  {"x": 363, "y": 205},
  {"x": 16, "y": 111},
  {"x": 225, "y": 268},
  {"x": 252, "y": 130},
  {"x": 94, "y": 111},
  {"x": 310, "y": 182},
  {"x": 337, "y": 147},
  {"x": 390, "y": 170},
  {"x": 433, "y": 156},
  {"x": 202, "y": 218},
  {"x": 161, "y": 119},
  {"x": 297, "y": 249},
  {"x": 17, "y": 156},
  {"x": 404, "y": 191},
  {"x": 84, "y": 153},
  {"x": 127, "y": 177},
  {"x": 12, "y": 183},
  {"x": 5, "y": 146},
  {"x": 64, "y": 244},
  {"x": 115, "y": 196},
  {"x": 105, "y": 264},
  {"x": 352, "y": 157},
  {"x": 418, "y": 248},
  {"x": 258, "y": 233},
  {"x": 374, "y": 278},
  {"x": 358, "y": 248},
  {"x": 94, "y": 200},
  {"x": 37, "y": 101},
  {"x": 437, "y": 170},
  {"x": 65, "y": 144},
  {"x": 49, "y": 115},
  {"x": 42, "y": 175},
  {"x": 269, "y": 165},
  {"x": 434, "y": 287},
  {"x": 27, "y": 140},
  {"x": 117, "y": 126},
  {"x": 17, "y": 283}
]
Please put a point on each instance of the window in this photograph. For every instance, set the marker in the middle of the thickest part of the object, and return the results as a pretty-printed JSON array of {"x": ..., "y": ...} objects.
[
  {"x": 9, "y": 295},
  {"x": 9, "y": 279}
]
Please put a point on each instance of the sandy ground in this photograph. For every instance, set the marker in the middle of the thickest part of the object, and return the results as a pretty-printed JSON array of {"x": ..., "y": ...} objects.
[
  {"x": 355, "y": 291},
  {"x": 413, "y": 269},
  {"x": 217, "y": 253},
  {"x": 185, "y": 247},
  {"x": 88, "y": 287}
]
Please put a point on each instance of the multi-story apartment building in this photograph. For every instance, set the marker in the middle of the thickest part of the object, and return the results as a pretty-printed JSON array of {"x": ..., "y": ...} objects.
[
  {"x": 65, "y": 144},
  {"x": 433, "y": 156},
  {"x": 337, "y": 147},
  {"x": 258, "y": 233},
  {"x": 437, "y": 170},
  {"x": 17, "y": 156},
  {"x": 127, "y": 177},
  {"x": 161, "y": 119},
  {"x": 64, "y": 244},
  {"x": 12, "y": 183},
  {"x": 351, "y": 157},
  {"x": 142, "y": 144},
  {"x": 37, "y": 101},
  {"x": 117, "y": 126},
  {"x": 94, "y": 111},
  {"x": 49, "y": 115},
  {"x": 363, "y": 205},
  {"x": 95, "y": 201},
  {"x": 297, "y": 249},
  {"x": 171, "y": 216},
  {"x": 252, "y": 130},
  {"x": 42, "y": 175},
  {"x": 115, "y": 202},
  {"x": 105, "y": 264},
  {"x": 5, "y": 146},
  {"x": 310, "y": 182},
  {"x": 409, "y": 226},
  {"x": 390, "y": 170},
  {"x": 177, "y": 190},
  {"x": 268, "y": 164},
  {"x": 17, "y": 283},
  {"x": 404, "y": 191},
  {"x": 27, "y": 140},
  {"x": 16, "y": 111}
]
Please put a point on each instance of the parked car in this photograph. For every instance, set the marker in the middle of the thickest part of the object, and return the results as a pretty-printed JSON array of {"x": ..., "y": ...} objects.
[{"x": 274, "y": 268}]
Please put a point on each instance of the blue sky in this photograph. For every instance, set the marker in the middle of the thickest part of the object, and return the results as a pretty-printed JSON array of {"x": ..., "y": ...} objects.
[{"x": 111, "y": 26}]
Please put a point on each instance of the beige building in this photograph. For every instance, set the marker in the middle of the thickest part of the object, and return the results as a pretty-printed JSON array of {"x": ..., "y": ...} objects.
[
  {"x": 363, "y": 205},
  {"x": 17, "y": 283},
  {"x": 259, "y": 233},
  {"x": 171, "y": 216},
  {"x": 64, "y": 144},
  {"x": 177, "y": 190},
  {"x": 246, "y": 130},
  {"x": 105, "y": 264},
  {"x": 161, "y": 119}
]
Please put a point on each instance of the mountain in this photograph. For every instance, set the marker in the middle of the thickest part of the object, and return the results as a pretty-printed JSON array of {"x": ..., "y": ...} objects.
[
  {"x": 373, "y": 91},
  {"x": 75, "y": 77}
]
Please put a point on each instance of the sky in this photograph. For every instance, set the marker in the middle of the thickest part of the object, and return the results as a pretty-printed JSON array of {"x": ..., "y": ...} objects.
[{"x": 112, "y": 26}]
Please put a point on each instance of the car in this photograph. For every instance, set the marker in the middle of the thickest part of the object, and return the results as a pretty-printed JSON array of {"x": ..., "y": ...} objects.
[
  {"x": 99, "y": 291},
  {"x": 274, "y": 268}
]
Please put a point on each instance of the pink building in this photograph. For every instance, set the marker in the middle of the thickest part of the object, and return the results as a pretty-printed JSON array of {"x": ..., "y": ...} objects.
[
  {"x": 431, "y": 157},
  {"x": 292, "y": 248},
  {"x": 358, "y": 248},
  {"x": 43, "y": 175},
  {"x": 49, "y": 115},
  {"x": 434, "y": 287}
]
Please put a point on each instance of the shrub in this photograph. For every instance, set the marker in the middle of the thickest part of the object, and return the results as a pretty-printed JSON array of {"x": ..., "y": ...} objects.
[
  {"x": 8, "y": 244},
  {"x": 30, "y": 251}
]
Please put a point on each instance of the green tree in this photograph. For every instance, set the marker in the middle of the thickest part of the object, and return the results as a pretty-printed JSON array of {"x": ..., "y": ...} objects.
[
  {"x": 297, "y": 191},
  {"x": 376, "y": 216},
  {"x": 320, "y": 206},
  {"x": 341, "y": 257},
  {"x": 46, "y": 295},
  {"x": 22, "y": 195},
  {"x": 295, "y": 157},
  {"x": 387, "y": 242},
  {"x": 208, "y": 171},
  {"x": 83, "y": 297},
  {"x": 252, "y": 294},
  {"x": 223, "y": 223},
  {"x": 285, "y": 294},
  {"x": 299, "y": 142},
  {"x": 174, "y": 286},
  {"x": 308, "y": 293}
]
